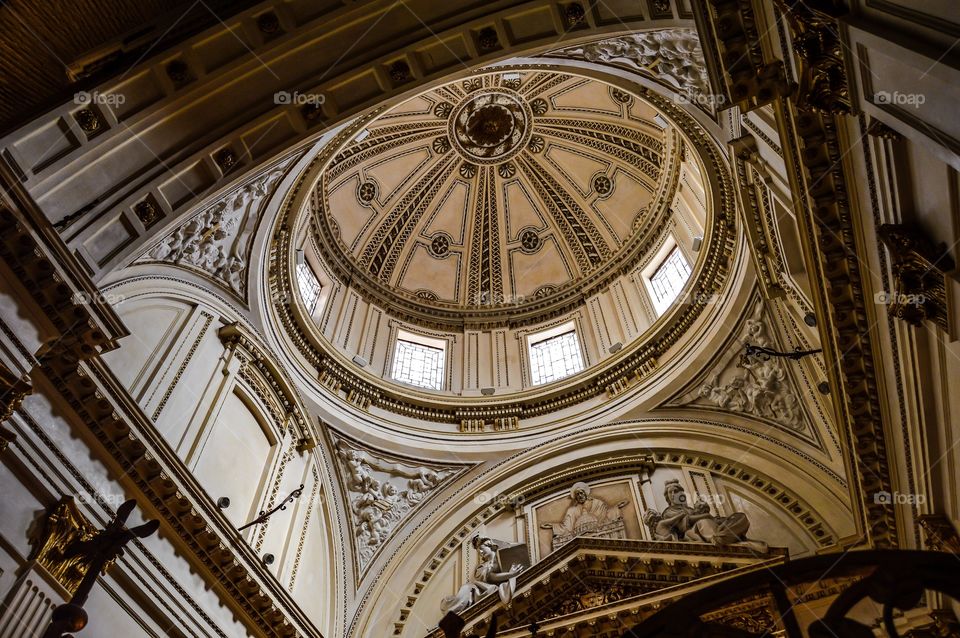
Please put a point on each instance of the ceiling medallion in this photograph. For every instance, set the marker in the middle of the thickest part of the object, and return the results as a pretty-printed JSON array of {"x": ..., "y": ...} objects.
[
  {"x": 440, "y": 246},
  {"x": 491, "y": 127},
  {"x": 367, "y": 192},
  {"x": 530, "y": 241},
  {"x": 602, "y": 185}
]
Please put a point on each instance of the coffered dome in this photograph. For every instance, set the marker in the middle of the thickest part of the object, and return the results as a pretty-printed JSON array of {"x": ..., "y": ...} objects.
[{"x": 501, "y": 198}]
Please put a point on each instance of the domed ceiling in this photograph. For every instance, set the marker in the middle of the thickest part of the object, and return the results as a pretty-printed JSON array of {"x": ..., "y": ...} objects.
[{"x": 498, "y": 198}]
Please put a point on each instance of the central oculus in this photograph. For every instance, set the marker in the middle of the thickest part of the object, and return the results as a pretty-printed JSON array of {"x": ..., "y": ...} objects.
[{"x": 490, "y": 127}]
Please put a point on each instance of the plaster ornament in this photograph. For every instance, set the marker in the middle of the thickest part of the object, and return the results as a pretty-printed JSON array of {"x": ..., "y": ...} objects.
[
  {"x": 381, "y": 493},
  {"x": 587, "y": 516},
  {"x": 762, "y": 388},
  {"x": 680, "y": 522},
  {"x": 217, "y": 240},
  {"x": 673, "y": 56},
  {"x": 490, "y": 575}
]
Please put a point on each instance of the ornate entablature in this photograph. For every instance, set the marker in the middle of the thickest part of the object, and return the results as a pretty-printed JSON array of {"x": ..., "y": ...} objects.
[{"x": 427, "y": 217}]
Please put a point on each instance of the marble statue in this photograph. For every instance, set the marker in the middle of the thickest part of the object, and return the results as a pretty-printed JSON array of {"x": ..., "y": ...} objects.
[
  {"x": 489, "y": 577},
  {"x": 587, "y": 516},
  {"x": 681, "y": 522}
]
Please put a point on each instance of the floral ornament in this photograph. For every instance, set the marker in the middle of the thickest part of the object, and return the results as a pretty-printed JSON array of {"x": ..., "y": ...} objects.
[
  {"x": 622, "y": 96},
  {"x": 602, "y": 185},
  {"x": 367, "y": 192},
  {"x": 530, "y": 241},
  {"x": 443, "y": 109},
  {"x": 537, "y": 144},
  {"x": 440, "y": 246},
  {"x": 441, "y": 145},
  {"x": 507, "y": 170},
  {"x": 538, "y": 106},
  {"x": 468, "y": 170}
]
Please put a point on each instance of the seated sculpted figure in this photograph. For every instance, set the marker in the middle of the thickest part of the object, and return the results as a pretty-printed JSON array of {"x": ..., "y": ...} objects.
[
  {"x": 489, "y": 577},
  {"x": 680, "y": 522},
  {"x": 586, "y": 513}
]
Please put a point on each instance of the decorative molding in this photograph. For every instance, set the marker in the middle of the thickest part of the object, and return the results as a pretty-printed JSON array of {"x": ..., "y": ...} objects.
[
  {"x": 920, "y": 276},
  {"x": 613, "y": 377},
  {"x": 13, "y": 390},
  {"x": 265, "y": 376}
]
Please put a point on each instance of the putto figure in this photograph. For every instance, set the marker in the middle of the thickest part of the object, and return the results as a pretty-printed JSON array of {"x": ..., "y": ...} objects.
[
  {"x": 587, "y": 516},
  {"x": 489, "y": 575},
  {"x": 680, "y": 522}
]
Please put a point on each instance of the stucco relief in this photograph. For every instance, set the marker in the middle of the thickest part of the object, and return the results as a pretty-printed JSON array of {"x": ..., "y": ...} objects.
[
  {"x": 588, "y": 515},
  {"x": 672, "y": 56},
  {"x": 760, "y": 388},
  {"x": 499, "y": 564},
  {"x": 381, "y": 492},
  {"x": 217, "y": 240},
  {"x": 601, "y": 510}
]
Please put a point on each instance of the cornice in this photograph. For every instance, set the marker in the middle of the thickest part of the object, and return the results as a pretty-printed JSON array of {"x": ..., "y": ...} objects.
[
  {"x": 130, "y": 441},
  {"x": 284, "y": 394}
]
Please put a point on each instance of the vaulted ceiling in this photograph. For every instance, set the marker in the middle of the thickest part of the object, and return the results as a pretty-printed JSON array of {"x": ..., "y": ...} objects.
[{"x": 504, "y": 189}]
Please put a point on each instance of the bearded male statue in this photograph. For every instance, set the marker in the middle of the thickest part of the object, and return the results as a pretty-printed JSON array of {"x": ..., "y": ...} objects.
[{"x": 680, "y": 522}]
